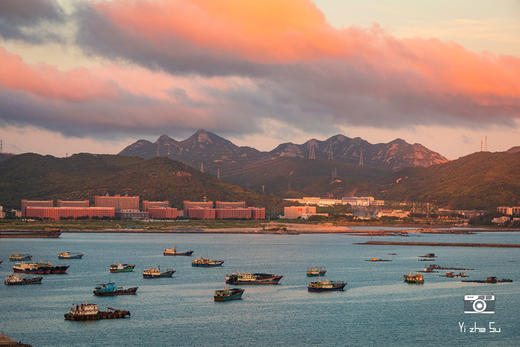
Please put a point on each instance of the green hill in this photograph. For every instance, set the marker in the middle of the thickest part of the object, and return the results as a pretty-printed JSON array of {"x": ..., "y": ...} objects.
[
  {"x": 480, "y": 180},
  {"x": 295, "y": 177},
  {"x": 81, "y": 176}
]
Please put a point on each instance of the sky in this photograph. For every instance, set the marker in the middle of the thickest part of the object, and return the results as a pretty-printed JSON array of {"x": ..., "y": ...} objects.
[{"x": 95, "y": 76}]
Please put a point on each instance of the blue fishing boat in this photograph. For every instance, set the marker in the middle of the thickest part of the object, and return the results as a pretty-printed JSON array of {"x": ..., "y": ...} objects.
[{"x": 110, "y": 289}]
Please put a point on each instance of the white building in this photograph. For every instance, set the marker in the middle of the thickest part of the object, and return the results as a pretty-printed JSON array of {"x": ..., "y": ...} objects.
[{"x": 358, "y": 200}]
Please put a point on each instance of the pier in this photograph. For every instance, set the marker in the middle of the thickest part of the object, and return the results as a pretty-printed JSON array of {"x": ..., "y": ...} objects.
[{"x": 440, "y": 244}]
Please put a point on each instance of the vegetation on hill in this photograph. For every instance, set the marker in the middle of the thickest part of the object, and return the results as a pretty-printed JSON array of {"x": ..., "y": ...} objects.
[
  {"x": 81, "y": 176},
  {"x": 295, "y": 177},
  {"x": 480, "y": 180}
]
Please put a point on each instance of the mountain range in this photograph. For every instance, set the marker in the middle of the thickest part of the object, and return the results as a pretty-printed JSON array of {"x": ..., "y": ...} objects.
[{"x": 219, "y": 156}]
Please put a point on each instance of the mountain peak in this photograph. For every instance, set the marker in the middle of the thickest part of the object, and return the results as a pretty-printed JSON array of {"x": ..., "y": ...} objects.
[{"x": 164, "y": 138}]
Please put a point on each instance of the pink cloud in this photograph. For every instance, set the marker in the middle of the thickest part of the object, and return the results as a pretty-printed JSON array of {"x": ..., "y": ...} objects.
[
  {"x": 295, "y": 32},
  {"x": 47, "y": 81}
]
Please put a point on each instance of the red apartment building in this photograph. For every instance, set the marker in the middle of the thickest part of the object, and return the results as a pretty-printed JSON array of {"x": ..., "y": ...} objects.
[
  {"x": 148, "y": 204},
  {"x": 117, "y": 202}
]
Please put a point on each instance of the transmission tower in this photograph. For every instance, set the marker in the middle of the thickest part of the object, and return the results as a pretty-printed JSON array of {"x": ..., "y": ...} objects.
[{"x": 361, "y": 158}]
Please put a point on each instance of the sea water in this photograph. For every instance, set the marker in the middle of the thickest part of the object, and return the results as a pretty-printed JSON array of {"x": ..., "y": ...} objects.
[{"x": 376, "y": 308}]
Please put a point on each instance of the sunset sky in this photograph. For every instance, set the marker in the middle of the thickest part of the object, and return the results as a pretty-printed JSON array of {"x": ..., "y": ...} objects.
[{"x": 95, "y": 76}]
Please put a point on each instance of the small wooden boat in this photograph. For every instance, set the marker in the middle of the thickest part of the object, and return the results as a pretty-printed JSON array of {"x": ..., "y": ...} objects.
[
  {"x": 316, "y": 271},
  {"x": 15, "y": 279},
  {"x": 110, "y": 289},
  {"x": 69, "y": 255},
  {"x": 228, "y": 294},
  {"x": 173, "y": 252},
  {"x": 326, "y": 286},
  {"x": 155, "y": 272},
  {"x": 20, "y": 257},
  {"x": 413, "y": 279},
  {"x": 122, "y": 267},
  {"x": 206, "y": 262}
]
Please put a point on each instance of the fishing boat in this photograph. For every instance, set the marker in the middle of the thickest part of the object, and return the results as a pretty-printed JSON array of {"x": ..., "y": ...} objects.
[
  {"x": 173, "y": 252},
  {"x": 491, "y": 279},
  {"x": 15, "y": 279},
  {"x": 206, "y": 262},
  {"x": 69, "y": 255},
  {"x": 453, "y": 275},
  {"x": 155, "y": 272},
  {"x": 248, "y": 278},
  {"x": 40, "y": 268},
  {"x": 20, "y": 257},
  {"x": 122, "y": 267},
  {"x": 86, "y": 311},
  {"x": 228, "y": 294},
  {"x": 110, "y": 289},
  {"x": 428, "y": 255},
  {"x": 316, "y": 271},
  {"x": 413, "y": 279},
  {"x": 326, "y": 286},
  {"x": 375, "y": 260}
]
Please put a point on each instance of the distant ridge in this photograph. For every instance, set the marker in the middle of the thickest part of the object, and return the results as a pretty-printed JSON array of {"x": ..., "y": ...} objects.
[{"x": 206, "y": 149}]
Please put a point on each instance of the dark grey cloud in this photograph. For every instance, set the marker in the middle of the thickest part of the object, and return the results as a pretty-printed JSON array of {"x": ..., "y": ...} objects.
[
  {"x": 126, "y": 114},
  {"x": 26, "y": 19}
]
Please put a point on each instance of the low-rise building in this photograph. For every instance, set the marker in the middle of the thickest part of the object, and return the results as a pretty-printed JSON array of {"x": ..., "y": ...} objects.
[
  {"x": 163, "y": 212},
  {"x": 57, "y": 213},
  {"x": 149, "y": 204},
  {"x": 501, "y": 220},
  {"x": 118, "y": 202},
  {"x": 315, "y": 201},
  {"x": 35, "y": 203},
  {"x": 71, "y": 203},
  {"x": 131, "y": 214},
  {"x": 358, "y": 200},
  {"x": 201, "y": 213},
  {"x": 393, "y": 213},
  {"x": 196, "y": 204},
  {"x": 230, "y": 204},
  {"x": 509, "y": 210},
  {"x": 295, "y": 212}
]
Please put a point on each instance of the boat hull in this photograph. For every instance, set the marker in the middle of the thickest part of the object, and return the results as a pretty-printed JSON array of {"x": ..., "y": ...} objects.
[
  {"x": 79, "y": 256},
  {"x": 161, "y": 275},
  {"x": 29, "y": 234},
  {"x": 55, "y": 270},
  {"x": 338, "y": 287},
  {"x": 100, "y": 315},
  {"x": 208, "y": 265},
  {"x": 24, "y": 281},
  {"x": 128, "y": 291},
  {"x": 262, "y": 281},
  {"x": 187, "y": 254},
  {"x": 236, "y": 295}
]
